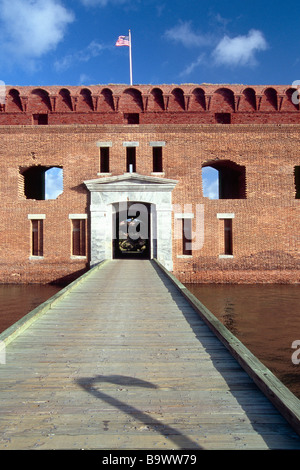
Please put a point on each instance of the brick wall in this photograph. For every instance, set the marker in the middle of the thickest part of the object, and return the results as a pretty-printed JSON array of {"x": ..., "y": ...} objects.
[
  {"x": 163, "y": 104},
  {"x": 265, "y": 223}
]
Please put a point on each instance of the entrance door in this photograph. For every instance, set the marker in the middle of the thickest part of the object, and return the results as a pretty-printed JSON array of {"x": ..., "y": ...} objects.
[{"x": 131, "y": 231}]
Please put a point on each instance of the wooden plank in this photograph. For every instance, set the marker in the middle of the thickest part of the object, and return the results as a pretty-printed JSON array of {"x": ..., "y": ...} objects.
[
  {"x": 284, "y": 400},
  {"x": 124, "y": 361}
]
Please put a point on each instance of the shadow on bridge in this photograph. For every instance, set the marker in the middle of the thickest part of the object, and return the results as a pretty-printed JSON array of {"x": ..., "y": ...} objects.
[
  {"x": 92, "y": 385},
  {"x": 276, "y": 432}
]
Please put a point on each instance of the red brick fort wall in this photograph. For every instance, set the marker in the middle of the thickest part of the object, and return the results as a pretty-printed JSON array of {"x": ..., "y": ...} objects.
[{"x": 262, "y": 137}]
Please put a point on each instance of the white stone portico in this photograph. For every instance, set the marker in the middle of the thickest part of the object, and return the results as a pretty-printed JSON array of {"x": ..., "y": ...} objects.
[{"x": 106, "y": 193}]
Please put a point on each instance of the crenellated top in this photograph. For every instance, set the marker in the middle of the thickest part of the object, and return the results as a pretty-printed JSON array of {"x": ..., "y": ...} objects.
[{"x": 187, "y": 99}]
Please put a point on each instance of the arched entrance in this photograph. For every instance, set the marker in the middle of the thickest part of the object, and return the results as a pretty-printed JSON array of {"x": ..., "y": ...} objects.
[
  {"x": 106, "y": 195},
  {"x": 131, "y": 230}
]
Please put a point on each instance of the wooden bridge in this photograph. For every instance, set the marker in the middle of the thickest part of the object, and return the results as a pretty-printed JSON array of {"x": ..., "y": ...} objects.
[{"x": 127, "y": 358}]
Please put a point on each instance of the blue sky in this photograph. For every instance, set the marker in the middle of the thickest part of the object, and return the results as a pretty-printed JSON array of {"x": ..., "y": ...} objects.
[{"x": 63, "y": 42}]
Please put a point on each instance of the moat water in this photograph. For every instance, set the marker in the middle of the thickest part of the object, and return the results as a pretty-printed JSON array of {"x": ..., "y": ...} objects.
[
  {"x": 266, "y": 318},
  {"x": 18, "y": 300}
]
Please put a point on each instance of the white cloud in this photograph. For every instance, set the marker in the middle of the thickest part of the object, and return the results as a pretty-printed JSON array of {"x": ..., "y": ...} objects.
[
  {"x": 240, "y": 50},
  {"x": 84, "y": 79},
  {"x": 184, "y": 34},
  {"x": 92, "y": 3},
  {"x": 84, "y": 55},
  {"x": 30, "y": 29},
  {"x": 102, "y": 3},
  {"x": 190, "y": 68}
]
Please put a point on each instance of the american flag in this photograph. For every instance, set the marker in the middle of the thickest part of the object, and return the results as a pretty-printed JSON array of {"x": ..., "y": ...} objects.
[{"x": 123, "y": 41}]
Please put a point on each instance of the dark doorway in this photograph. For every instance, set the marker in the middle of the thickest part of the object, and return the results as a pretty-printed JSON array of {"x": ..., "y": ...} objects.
[{"x": 131, "y": 231}]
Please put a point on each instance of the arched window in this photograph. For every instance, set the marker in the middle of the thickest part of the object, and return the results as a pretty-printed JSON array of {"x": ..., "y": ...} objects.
[{"x": 224, "y": 180}]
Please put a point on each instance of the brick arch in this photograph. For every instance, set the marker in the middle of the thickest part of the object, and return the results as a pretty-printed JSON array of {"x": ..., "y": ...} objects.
[
  {"x": 39, "y": 101},
  {"x": 247, "y": 100},
  {"x": 13, "y": 101},
  {"x": 269, "y": 100},
  {"x": 176, "y": 102},
  {"x": 287, "y": 102},
  {"x": 106, "y": 100},
  {"x": 222, "y": 101},
  {"x": 131, "y": 101},
  {"x": 64, "y": 101},
  {"x": 85, "y": 101},
  {"x": 197, "y": 101},
  {"x": 156, "y": 103}
]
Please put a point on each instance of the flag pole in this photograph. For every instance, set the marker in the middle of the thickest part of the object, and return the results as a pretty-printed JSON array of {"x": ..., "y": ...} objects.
[{"x": 130, "y": 57}]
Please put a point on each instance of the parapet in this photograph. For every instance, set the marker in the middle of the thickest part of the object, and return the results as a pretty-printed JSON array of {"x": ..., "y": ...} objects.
[{"x": 149, "y": 104}]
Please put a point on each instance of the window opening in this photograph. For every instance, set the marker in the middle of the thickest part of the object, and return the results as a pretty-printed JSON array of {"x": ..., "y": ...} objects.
[
  {"x": 40, "y": 119},
  {"x": 53, "y": 182},
  {"x": 187, "y": 237},
  {"x": 37, "y": 237},
  {"x": 157, "y": 159},
  {"x": 210, "y": 182},
  {"x": 132, "y": 118},
  {"x": 42, "y": 182},
  {"x": 223, "y": 118},
  {"x": 228, "y": 237},
  {"x": 104, "y": 159},
  {"x": 131, "y": 159},
  {"x": 229, "y": 182},
  {"x": 79, "y": 237}
]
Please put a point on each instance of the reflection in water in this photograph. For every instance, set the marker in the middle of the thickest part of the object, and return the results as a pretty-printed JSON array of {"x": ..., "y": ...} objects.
[
  {"x": 265, "y": 318},
  {"x": 18, "y": 300}
]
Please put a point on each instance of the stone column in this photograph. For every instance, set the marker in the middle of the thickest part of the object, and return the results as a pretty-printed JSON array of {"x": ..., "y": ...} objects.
[
  {"x": 100, "y": 236},
  {"x": 164, "y": 235}
]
